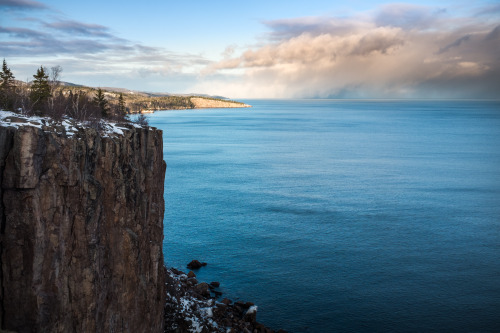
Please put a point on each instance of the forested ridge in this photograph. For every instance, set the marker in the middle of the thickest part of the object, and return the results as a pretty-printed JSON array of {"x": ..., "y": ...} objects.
[{"x": 47, "y": 95}]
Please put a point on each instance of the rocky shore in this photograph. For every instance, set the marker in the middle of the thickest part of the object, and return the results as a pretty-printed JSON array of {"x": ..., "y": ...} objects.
[{"x": 194, "y": 306}]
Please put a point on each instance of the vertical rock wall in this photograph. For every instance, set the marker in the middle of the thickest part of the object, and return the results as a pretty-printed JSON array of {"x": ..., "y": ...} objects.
[{"x": 81, "y": 231}]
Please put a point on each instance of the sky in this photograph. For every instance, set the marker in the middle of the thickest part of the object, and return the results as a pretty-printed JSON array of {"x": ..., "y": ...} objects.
[{"x": 262, "y": 49}]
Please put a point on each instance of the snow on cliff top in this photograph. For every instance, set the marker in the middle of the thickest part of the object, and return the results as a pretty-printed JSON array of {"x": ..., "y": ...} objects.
[{"x": 67, "y": 126}]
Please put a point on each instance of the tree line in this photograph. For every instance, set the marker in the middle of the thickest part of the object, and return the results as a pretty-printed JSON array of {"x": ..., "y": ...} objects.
[
  {"x": 43, "y": 96},
  {"x": 161, "y": 103}
]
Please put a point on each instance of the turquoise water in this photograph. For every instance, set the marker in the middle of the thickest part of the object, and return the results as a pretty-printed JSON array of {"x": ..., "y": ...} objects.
[{"x": 341, "y": 216}]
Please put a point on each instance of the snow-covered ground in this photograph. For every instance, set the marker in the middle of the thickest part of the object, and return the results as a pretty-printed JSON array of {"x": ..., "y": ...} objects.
[{"x": 67, "y": 126}]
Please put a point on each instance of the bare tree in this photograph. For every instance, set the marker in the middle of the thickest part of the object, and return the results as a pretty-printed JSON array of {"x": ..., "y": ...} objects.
[
  {"x": 55, "y": 76},
  {"x": 56, "y": 108},
  {"x": 23, "y": 101}
]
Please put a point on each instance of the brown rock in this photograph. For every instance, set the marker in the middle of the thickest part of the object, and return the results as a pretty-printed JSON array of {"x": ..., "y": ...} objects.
[
  {"x": 215, "y": 284},
  {"x": 191, "y": 274},
  {"x": 176, "y": 271},
  {"x": 227, "y": 322},
  {"x": 192, "y": 281},
  {"x": 226, "y": 301},
  {"x": 202, "y": 289},
  {"x": 195, "y": 264},
  {"x": 243, "y": 305},
  {"x": 82, "y": 231}
]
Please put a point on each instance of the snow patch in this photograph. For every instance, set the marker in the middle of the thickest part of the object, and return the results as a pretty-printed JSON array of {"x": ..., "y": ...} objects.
[
  {"x": 196, "y": 327},
  {"x": 68, "y": 125},
  {"x": 252, "y": 310},
  {"x": 207, "y": 312},
  {"x": 11, "y": 119}
]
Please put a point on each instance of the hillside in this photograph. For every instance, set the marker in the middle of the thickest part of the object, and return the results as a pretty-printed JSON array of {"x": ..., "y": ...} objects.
[{"x": 141, "y": 102}]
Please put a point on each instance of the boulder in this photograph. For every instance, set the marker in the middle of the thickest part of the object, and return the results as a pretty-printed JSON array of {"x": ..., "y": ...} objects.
[
  {"x": 226, "y": 301},
  {"x": 202, "y": 289},
  {"x": 251, "y": 314},
  {"x": 195, "y": 264}
]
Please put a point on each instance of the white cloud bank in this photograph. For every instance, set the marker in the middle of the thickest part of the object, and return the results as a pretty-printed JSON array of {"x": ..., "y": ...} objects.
[{"x": 399, "y": 51}]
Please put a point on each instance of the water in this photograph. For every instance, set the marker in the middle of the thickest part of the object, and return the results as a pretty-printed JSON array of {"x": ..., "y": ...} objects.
[{"x": 341, "y": 216}]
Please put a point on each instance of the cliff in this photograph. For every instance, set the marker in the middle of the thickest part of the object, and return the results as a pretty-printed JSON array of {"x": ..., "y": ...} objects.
[
  {"x": 81, "y": 216},
  {"x": 204, "y": 103}
]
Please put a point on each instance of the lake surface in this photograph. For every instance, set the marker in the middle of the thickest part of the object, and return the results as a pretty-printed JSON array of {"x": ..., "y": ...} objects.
[{"x": 341, "y": 216}]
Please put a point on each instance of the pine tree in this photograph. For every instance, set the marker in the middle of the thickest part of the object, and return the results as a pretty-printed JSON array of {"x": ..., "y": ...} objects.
[
  {"x": 121, "y": 105},
  {"x": 40, "y": 90},
  {"x": 6, "y": 87},
  {"x": 102, "y": 103},
  {"x": 7, "y": 77}
]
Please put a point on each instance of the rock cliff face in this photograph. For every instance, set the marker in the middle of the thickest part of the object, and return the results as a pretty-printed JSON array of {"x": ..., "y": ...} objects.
[
  {"x": 81, "y": 230},
  {"x": 203, "y": 103}
]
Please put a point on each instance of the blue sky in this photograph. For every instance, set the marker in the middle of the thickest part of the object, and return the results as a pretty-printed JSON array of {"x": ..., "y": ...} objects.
[{"x": 262, "y": 49}]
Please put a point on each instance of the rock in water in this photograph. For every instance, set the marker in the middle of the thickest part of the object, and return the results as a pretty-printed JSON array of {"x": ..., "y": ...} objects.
[{"x": 195, "y": 264}]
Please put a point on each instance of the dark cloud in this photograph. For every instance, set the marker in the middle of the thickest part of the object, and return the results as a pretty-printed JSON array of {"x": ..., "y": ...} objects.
[
  {"x": 485, "y": 86},
  {"x": 494, "y": 34},
  {"x": 29, "y": 42},
  {"x": 22, "y": 33},
  {"x": 456, "y": 43},
  {"x": 79, "y": 28},
  {"x": 22, "y": 4}
]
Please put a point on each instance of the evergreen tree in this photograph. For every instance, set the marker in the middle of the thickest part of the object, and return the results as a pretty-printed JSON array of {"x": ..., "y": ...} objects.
[
  {"x": 40, "y": 89},
  {"x": 7, "y": 77},
  {"x": 102, "y": 103},
  {"x": 7, "y": 87},
  {"x": 121, "y": 105}
]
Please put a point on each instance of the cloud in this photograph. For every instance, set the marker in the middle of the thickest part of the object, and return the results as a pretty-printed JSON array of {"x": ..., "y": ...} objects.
[
  {"x": 89, "y": 51},
  {"x": 408, "y": 16},
  {"x": 21, "y": 4},
  {"x": 229, "y": 51},
  {"x": 22, "y": 33},
  {"x": 456, "y": 43},
  {"x": 80, "y": 29},
  {"x": 395, "y": 52},
  {"x": 494, "y": 34},
  {"x": 30, "y": 42},
  {"x": 288, "y": 28},
  {"x": 489, "y": 10}
]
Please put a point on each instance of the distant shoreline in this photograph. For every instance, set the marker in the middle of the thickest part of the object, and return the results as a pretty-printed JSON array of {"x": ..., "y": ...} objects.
[{"x": 203, "y": 103}]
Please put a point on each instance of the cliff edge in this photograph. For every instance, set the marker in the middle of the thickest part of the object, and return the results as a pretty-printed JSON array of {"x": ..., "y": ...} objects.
[
  {"x": 81, "y": 216},
  {"x": 207, "y": 103}
]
